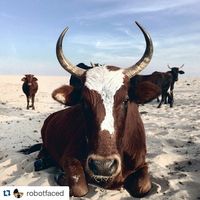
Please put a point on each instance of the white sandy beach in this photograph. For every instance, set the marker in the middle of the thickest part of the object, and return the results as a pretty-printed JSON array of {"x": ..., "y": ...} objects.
[{"x": 173, "y": 140}]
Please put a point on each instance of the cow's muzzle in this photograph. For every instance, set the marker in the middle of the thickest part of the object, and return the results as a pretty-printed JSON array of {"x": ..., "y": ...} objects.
[{"x": 103, "y": 166}]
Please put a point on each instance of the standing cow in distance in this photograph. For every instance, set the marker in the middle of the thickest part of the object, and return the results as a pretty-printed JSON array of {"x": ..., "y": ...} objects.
[
  {"x": 160, "y": 79},
  {"x": 164, "y": 80},
  {"x": 175, "y": 71},
  {"x": 30, "y": 87},
  {"x": 100, "y": 139}
]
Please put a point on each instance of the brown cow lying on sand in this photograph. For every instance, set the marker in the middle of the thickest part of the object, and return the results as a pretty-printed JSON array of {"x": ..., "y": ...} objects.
[{"x": 100, "y": 139}]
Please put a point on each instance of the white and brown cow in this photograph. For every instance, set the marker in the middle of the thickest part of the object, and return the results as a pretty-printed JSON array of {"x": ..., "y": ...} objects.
[{"x": 100, "y": 139}]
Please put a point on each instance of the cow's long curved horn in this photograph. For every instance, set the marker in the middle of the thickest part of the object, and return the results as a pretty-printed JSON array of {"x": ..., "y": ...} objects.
[
  {"x": 169, "y": 67},
  {"x": 181, "y": 66},
  {"x": 146, "y": 58},
  {"x": 66, "y": 64}
]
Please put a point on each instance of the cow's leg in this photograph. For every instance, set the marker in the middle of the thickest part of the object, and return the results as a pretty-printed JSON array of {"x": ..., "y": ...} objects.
[
  {"x": 28, "y": 101},
  {"x": 138, "y": 184},
  {"x": 43, "y": 160},
  {"x": 161, "y": 101},
  {"x": 171, "y": 99},
  {"x": 171, "y": 95},
  {"x": 43, "y": 163},
  {"x": 33, "y": 99},
  {"x": 74, "y": 177},
  {"x": 42, "y": 153},
  {"x": 166, "y": 100}
]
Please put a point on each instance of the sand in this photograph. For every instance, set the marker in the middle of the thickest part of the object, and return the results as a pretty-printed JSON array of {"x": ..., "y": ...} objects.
[{"x": 173, "y": 140}]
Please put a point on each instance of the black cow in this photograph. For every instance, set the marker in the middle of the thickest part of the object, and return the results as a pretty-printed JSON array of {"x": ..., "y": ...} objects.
[
  {"x": 160, "y": 79},
  {"x": 174, "y": 72},
  {"x": 164, "y": 80}
]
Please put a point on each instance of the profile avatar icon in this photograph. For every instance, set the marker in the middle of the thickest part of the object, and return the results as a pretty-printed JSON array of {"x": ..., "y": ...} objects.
[{"x": 18, "y": 194}]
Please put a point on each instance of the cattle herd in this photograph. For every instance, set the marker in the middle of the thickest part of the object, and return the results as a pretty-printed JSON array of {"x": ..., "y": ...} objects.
[{"x": 100, "y": 138}]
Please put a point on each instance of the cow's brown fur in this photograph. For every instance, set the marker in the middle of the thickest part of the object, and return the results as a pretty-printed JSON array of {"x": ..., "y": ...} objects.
[
  {"x": 30, "y": 87},
  {"x": 72, "y": 134},
  {"x": 101, "y": 138}
]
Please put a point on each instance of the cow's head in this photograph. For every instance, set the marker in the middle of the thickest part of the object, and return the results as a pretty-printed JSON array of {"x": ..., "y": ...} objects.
[
  {"x": 175, "y": 71},
  {"x": 29, "y": 79},
  {"x": 114, "y": 128}
]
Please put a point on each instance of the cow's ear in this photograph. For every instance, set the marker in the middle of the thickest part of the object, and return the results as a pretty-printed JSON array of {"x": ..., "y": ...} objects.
[
  {"x": 23, "y": 79},
  {"x": 143, "y": 92},
  {"x": 35, "y": 79},
  {"x": 67, "y": 95},
  {"x": 181, "y": 72}
]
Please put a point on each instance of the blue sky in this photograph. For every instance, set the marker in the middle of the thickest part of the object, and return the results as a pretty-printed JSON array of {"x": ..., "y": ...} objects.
[{"x": 99, "y": 31}]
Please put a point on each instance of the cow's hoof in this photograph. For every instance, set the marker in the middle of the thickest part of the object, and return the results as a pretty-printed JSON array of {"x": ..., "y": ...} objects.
[
  {"x": 60, "y": 179},
  {"x": 43, "y": 163},
  {"x": 39, "y": 165}
]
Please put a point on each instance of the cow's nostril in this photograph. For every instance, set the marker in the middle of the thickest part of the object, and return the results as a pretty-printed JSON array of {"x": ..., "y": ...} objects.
[
  {"x": 105, "y": 167},
  {"x": 112, "y": 165},
  {"x": 92, "y": 166}
]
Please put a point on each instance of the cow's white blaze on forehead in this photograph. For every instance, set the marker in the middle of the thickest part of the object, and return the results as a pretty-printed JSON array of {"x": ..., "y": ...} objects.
[{"x": 106, "y": 83}]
